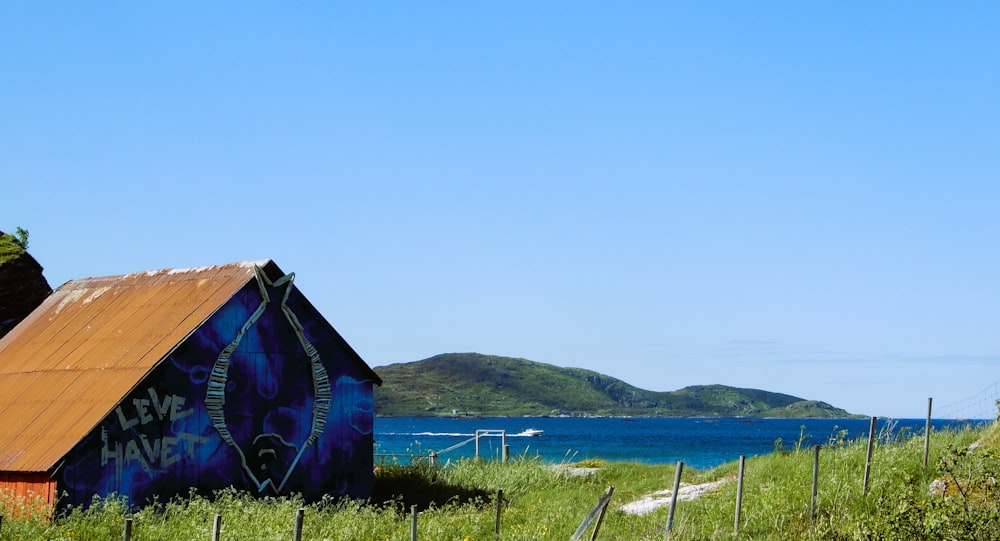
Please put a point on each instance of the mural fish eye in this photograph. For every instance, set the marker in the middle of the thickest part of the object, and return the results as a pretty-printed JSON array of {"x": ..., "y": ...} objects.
[{"x": 271, "y": 446}]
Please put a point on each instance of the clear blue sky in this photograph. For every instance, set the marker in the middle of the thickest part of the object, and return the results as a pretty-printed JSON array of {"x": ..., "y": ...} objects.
[{"x": 800, "y": 197}]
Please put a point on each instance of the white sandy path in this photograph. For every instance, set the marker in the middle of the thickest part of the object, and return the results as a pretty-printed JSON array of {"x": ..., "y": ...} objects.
[{"x": 651, "y": 502}]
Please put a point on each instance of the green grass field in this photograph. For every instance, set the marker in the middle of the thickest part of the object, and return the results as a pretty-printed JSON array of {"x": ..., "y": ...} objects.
[{"x": 542, "y": 501}]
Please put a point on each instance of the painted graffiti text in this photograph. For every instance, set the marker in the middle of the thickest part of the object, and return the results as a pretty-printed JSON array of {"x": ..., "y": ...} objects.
[
  {"x": 145, "y": 408},
  {"x": 155, "y": 452},
  {"x": 149, "y": 453}
]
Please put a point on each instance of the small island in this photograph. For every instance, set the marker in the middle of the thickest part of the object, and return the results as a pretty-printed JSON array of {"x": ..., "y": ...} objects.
[{"x": 475, "y": 385}]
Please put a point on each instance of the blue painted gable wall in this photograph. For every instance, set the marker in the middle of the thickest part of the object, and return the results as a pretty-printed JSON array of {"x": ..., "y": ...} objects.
[{"x": 244, "y": 402}]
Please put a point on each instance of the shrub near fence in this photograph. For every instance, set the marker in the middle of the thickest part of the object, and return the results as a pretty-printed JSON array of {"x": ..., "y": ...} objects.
[{"x": 542, "y": 502}]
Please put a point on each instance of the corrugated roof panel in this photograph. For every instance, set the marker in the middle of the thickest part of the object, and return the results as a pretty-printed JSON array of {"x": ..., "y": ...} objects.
[
  {"x": 183, "y": 308},
  {"x": 15, "y": 388},
  {"x": 95, "y": 328},
  {"x": 119, "y": 381},
  {"x": 68, "y": 364},
  {"x": 67, "y": 325},
  {"x": 14, "y": 350},
  {"x": 68, "y": 402},
  {"x": 18, "y": 439}
]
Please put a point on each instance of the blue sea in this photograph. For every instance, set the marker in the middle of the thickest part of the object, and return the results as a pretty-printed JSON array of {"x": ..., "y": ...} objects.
[{"x": 699, "y": 443}]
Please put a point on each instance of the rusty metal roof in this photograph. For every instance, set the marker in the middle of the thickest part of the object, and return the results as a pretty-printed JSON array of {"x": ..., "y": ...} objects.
[{"x": 68, "y": 364}]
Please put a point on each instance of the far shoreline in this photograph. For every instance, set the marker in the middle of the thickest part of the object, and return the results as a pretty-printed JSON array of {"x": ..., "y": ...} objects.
[{"x": 594, "y": 416}]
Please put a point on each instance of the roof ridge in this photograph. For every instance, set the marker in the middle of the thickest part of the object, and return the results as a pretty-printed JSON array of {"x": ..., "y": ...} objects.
[{"x": 248, "y": 265}]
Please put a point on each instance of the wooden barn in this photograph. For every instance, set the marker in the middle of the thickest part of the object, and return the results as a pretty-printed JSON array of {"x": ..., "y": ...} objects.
[{"x": 157, "y": 383}]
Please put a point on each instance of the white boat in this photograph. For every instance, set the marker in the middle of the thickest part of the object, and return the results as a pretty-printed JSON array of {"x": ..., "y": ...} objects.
[{"x": 530, "y": 432}]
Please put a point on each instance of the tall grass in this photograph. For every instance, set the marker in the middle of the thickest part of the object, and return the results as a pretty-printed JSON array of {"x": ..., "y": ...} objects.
[{"x": 546, "y": 501}]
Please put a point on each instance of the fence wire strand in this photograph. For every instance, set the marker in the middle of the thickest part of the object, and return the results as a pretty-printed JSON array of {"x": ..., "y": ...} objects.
[{"x": 982, "y": 405}]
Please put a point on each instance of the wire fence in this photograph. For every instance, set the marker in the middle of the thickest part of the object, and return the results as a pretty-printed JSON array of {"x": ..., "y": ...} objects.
[{"x": 982, "y": 405}]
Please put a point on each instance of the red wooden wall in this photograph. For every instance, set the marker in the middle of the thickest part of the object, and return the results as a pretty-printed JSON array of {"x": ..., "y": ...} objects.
[{"x": 29, "y": 492}]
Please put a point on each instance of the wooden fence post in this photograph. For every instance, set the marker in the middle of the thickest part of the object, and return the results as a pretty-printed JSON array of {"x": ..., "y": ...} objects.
[
  {"x": 413, "y": 523},
  {"x": 127, "y": 531},
  {"x": 739, "y": 496},
  {"x": 812, "y": 509},
  {"x": 868, "y": 461},
  {"x": 496, "y": 526},
  {"x": 604, "y": 509},
  {"x": 673, "y": 499},
  {"x": 299, "y": 519},
  {"x": 927, "y": 431},
  {"x": 217, "y": 528},
  {"x": 596, "y": 513}
]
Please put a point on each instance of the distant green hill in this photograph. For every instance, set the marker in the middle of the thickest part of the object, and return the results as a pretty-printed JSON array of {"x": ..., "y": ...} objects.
[{"x": 475, "y": 384}]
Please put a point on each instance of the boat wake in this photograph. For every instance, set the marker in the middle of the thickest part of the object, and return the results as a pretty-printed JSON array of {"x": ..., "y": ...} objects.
[{"x": 526, "y": 433}]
